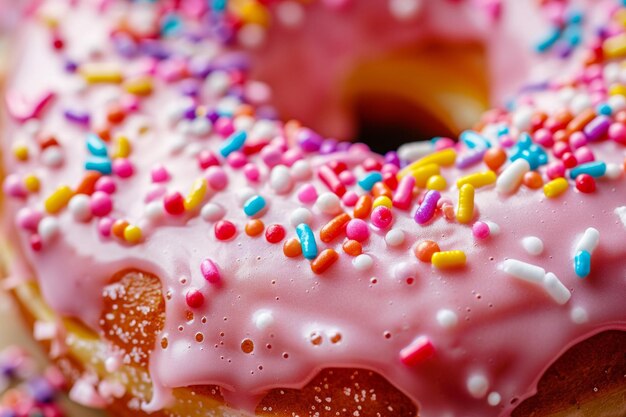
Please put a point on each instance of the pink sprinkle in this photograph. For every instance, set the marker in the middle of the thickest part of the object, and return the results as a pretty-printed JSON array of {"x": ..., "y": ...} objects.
[
  {"x": 224, "y": 126},
  {"x": 350, "y": 198},
  {"x": 271, "y": 156},
  {"x": 578, "y": 139},
  {"x": 481, "y": 230},
  {"x": 358, "y": 230},
  {"x": 159, "y": 174},
  {"x": 210, "y": 272},
  {"x": 292, "y": 155},
  {"x": 347, "y": 177},
  {"x": 617, "y": 133},
  {"x": 22, "y": 108},
  {"x": 544, "y": 138},
  {"x": 100, "y": 203},
  {"x": 216, "y": 178},
  {"x": 371, "y": 164},
  {"x": 28, "y": 219},
  {"x": 556, "y": 169},
  {"x": 417, "y": 352},
  {"x": 207, "y": 159},
  {"x": 569, "y": 160},
  {"x": 14, "y": 187},
  {"x": 560, "y": 148},
  {"x": 506, "y": 141},
  {"x": 104, "y": 226},
  {"x": 237, "y": 159},
  {"x": 173, "y": 203},
  {"x": 307, "y": 193},
  {"x": 105, "y": 184},
  {"x": 155, "y": 192},
  {"x": 381, "y": 217},
  {"x": 122, "y": 167},
  {"x": 404, "y": 193},
  {"x": 584, "y": 155},
  {"x": 389, "y": 168},
  {"x": 129, "y": 103},
  {"x": 251, "y": 172},
  {"x": 194, "y": 298},
  {"x": 444, "y": 143}
]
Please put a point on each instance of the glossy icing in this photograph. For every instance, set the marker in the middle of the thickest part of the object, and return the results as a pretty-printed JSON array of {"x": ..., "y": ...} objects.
[{"x": 491, "y": 333}]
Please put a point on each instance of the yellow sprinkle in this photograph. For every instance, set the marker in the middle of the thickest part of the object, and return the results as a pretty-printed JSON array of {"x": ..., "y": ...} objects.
[
  {"x": 436, "y": 182},
  {"x": 478, "y": 179},
  {"x": 556, "y": 187},
  {"x": 617, "y": 90},
  {"x": 58, "y": 199},
  {"x": 101, "y": 73},
  {"x": 448, "y": 259},
  {"x": 122, "y": 147},
  {"x": 620, "y": 17},
  {"x": 382, "y": 200},
  {"x": 465, "y": 209},
  {"x": 615, "y": 46},
  {"x": 196, "y": 195},
  {"x": 20, "y": 152},
  {"x": 423, "y": 173},
  {"x": 31, "y": 182},
  {"x": 141, "y": 86},
  {"x": 253, "y": 12},
  {"x": 132, "y": 234},
  {"x": 445, "y": 157}
]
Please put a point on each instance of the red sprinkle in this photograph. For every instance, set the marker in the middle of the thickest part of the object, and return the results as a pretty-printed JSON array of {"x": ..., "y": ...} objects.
[
  {"x": 194, "y": 298},
  {"x": 224, "y": 230},
  {"x": 274, "y": 233},
  {"x": 174, "y": 203},
  {"x": 332, "y": 181},
  {"x": 585, "y": 183},
  {"x": 417, "y": 352},
  {"x": 35, "y": 242}
]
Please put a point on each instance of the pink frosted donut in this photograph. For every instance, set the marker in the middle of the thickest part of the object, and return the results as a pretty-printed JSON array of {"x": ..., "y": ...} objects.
[{"x": 193, "y": 253}]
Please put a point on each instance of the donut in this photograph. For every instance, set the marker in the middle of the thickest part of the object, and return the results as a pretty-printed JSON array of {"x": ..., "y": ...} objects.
[{"x": 180, "y": 247}]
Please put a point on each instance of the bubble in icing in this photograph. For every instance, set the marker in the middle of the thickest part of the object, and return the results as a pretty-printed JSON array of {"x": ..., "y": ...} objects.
[
  {"x": 533, "y": 245},
  {"x": 579, "y": 315},
  {"x": 263, "y": 318}
]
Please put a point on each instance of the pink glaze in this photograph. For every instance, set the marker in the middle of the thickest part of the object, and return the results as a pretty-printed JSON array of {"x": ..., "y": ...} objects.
[{"x": 507, "y": 332}]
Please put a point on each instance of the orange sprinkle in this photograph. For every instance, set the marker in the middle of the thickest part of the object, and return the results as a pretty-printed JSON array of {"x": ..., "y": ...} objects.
[
  {"x": 352, "y": 247},
  {"x": 560, "y": 136},
  {"x": 533, "y": 180},
  {"x": 118, "y": 228},
  {"x": 580, "y": 121},
  {"x": 425, "y": 250},
  {"x": 292, "y": 248},
  {"x": 115, "y": 114},
  {"x": 48, "y": 141},
  {"x": 494, "y": 158},
  {"x": 381, "y": 189},
  {"x": 334, "y": 228},
  {"x": 363, "y": 207},
  {"x": 104, "y": 132},
  {"x": 88, "y": 183},
  {"x": 244, "y": 110},
  {"x": 324, "y": 261},
  {"x": 254, "y": 227}
]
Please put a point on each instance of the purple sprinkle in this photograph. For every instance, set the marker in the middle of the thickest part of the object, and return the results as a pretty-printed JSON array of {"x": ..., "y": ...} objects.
[
  {"x": 328, "y": 146},
  {"x": 70, "y": 66},
  {"x": 267, "y": 112},
  {"x": 77, "y": 116},
  {"x": 125, "y": 45},
  {"x": 597, "y": 128},
  {"x": 212, "y": 116},
  {"x": 200, "y": 67},
  {"x": 154, "y": 49},
  {"x": 309, "y": 141},
  {"x": 343, "y": 146},
  {"x": 189, "y": 88},
  {"x": 41, "y": 390},
  {"x": 426, "y": 210},
  {"x": 470, "y": 158},
  {"x": 392, "y": 157},
  {"x": 190, "y": 113}
]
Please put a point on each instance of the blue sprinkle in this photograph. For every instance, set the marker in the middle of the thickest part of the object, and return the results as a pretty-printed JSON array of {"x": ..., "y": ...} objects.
[
  {"x": 595, "y": 169},
  {"x": 307, "y": 241},
  {"x": 573, "y": 35},
  {"x": 368, "y": 181},
  {"x": 170, "y": 24},
  {"x": 503, "y": 130},
  {"x": 219, "y": 5},
  {"x": 549, "y": 40},
  {"x": 254, "y": 205},
  {"x": 575, "y": 17},
  {"x": 582, "y": 263},
  {"x": 473, "y": 139},
  {"x": 524, "y": 141},
  {"x": 102, "y": 165},
  {"x": 604, "y": 109},
  {"x": 96, "y": 146},
  {"x": 233, "y": 143}
]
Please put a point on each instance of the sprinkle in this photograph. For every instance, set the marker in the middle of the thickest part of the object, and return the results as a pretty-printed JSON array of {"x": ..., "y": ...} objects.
[
  {"x": 473, "y": 139},
  {"x": 436, "y": 182},
  {"x": 579, "y": 122},
  {"x": 96, "y": 146},
  {"x": 478, "y": 179},
  {"x": 123, "y": 168},
  {"x": 381, "y": 189},
  {"x": 79, "y": 207},
  {"x": 445, "y": 157},
  {"x": 532, "y": 180},
  {"x": 381, "y": 217},
  {"x": 555, "y": 289},
  {"x": 597, "y": 128},
  {"x": 224, "y": 230},
  {"x": 418, "y": 351},
  {"x": 254, "y": 205},
  {"x": 447, "y": 319},
  {"x": 371, "y": 178},
  {"x": 58, "y": 199},
  {"x": 292, "y": 248},
  {"x": 363, "y": 207},
  {"x": 533, "y": 245},
  {"x": 394, "y": 237},
  {"x": 334, "y": 228},
  {"x": 494, "y": 399},
  {"x": 48, "y": 228},
  {"x": 88, "y": 183},
  {"x": 595, "y": 169},
  {"x": 425, "y": 250},
  {"x": 585, "y": 183},
  {"x": 358, "y": 230},
  {"x": 132, "y": 234},
  {"x": 254, "y": 227},
  {"x": 477, "y": 385},
  {"x": 426, "y": 210},
  {"x": 579, "y": 315},
  {"x": 196, "y": 194},
  {"x": 118, "y": 227},
  {"x": 31, "y": 183},
  {"x": 101, "y": 73},
  {"x": 352, "y": 247},
  {"x": 105, "y": 226},
  {"x": 122, "y": 147},
  {"x": 307, "y": 193},
  {"x": 324, "y": 261},
  {"x": 555, "y": 188},
  {"x": 234, "y": 143},
  {"x": 280, "y": 179},
  {"x": 263, "y": 319},
  {"x": 494, "y": 158},
  {"x": 52, "y": 157},
  {"x": 465, "y": 210},
  {"x": 20, "y": 151},
  {"x": 140, "y": 86},
  {"x": 194, "y": 298},
  {"x": 331, "y": 180},
  {"x": 307, "y": 240},
  {"x": 549, "y": 39},
  {"x": 212, "y": 212},
  {"x": 363, "y": 262},
  {"x": 328, "y": 203},
  {"x": 448, "y": 259},
  {"x": 471, "y": 157},
  {"x": 174, "y": 203},
  {"x": 210, "y": 272},
  {"x": 102, "y": 165},
  {"x": 512, "y": 176},
  {"x": 382, "y": 201},
  {"x": 615, "y": 46},
  {"x": 350, "y": 198},
  {"x": 480, "y": 230},
  {"x": 274, "y": 233},
  {"x": 524, "y": 271},
  {"x": 404, "y": 193},
  {"x": 423, "y": 173}
]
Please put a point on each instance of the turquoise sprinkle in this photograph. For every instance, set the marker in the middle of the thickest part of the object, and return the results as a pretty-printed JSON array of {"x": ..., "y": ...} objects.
[
  {"x": 233, "y": 143},
  {"x": 595, "y": 169},
  {"x": 549, "y": 40},
  {"x": 307, "y": 240},
  {"x": 604, "y": 109},
  {"x": 254, "y": 205},
  {"x": 473, "y": 139},
  {"x": 582, "y": 263},
  {"x": 575, "y": 17},
  {"x": 503, "y": 130},
  {"x": 96, "y": 146},
  {"x": 171, "y": 24},
  {"x": 573, "y": 35},
  {"x": 368, "y": 181},
  {"x": 218, "y": 5},
  {"x": 102, "y": 165}
]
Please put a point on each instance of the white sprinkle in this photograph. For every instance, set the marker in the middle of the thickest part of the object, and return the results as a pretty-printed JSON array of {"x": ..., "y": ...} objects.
[
  {"x": 589, "y": 241},
  {"x": 611, "y": 75},
  {"x": 579, "y": 315},
  {"x": 524, "y": 271},
  {"x": 243, "y": 122},
  {"x": 512, "y": 176},
  {"x": 555, "y": 288},
  {"x": 328, "y": 203},
  {"x": 290, "y": 13},
  {"x": 243, "y": 194},
  {"x": 45, "y": 330},
  {"x": 522, "y": 117},
  {"x": 494, "y": 399},
  {"x": 621, "y": 213},
  {"x": 280, "y": 179},
  {"x": 580, "y": 103},
  {"x": 404, "y": 9},
  {"x": 227, "y": 105},
  {"x": 394, "y": 237},
  {"x": 153, "y": 211},
  {"x": 494, "y": 228},
  {"x": 52, "y": 157},
  {"x": 80, "y": 208},
  {"x": 477, "y": 385},
  {"x": 613, "y": 171},
  {"x": 447, "y": 318},
  {"x": 217, "y": 83},
  {"x": 617, "y": 103},
  {"x": 363, "y": 262},
  {"x": 212, "y": 212},
  {"x": 48, "y": 228},
  {"x": 413, "y": 151},
  {"x": 262, "y": 319},
  {"x": 301, "y": 170},
  {"x": 566, "y": 95},
  {"x": 200, "y": 126},
  {"x": 193, "y": 149},
  {"x": 251, "y": 35},
  {"x": 262, "y": 129},
  {"x": 533, "y": 245},
  {"x": 300, "y": 215}
]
